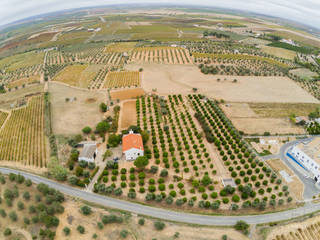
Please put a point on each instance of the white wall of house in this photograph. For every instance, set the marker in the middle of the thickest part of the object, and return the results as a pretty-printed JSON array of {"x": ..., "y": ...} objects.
[
  {"x": 133, "y": 153},
  {"x": 307, "y": 162},
  {"x": 86, "y": 159}
]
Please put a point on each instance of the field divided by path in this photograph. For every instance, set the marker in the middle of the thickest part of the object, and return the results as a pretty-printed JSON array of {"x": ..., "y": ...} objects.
[{"x": 22, "y": 139}]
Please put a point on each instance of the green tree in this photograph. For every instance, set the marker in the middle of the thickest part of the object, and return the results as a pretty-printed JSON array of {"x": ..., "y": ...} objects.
[
  {"x": 242, "y": 226},
  {"x": 159, "y": 225},
  {"x": 206, "y": 180},
  {"x": 103, "y": 107},
  {"x": 66, "y": 231},
  {"x": 145, "y": 136},
  {"x": 56, "y": 170},
  {"x": 102, "y": 128},
  {"x": 85, "y": 210},
  {"x": 141, "y": 162},
  {"x": 86, "y": 130},
  {"x": 114, "y": 140}
]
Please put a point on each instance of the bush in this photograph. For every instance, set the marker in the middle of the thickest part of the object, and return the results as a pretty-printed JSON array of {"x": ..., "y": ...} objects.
[
  {"x": 85, "y": 210},
  {"x": 242, "y": 226},
  {"x": 13, "y": 216},
  {"x": 66, "y": 231},
  {"x": 124, "y": 233},
  {"x": 141, "y": 221},
  {"x": 7, "y": 232},
  {"x": 81, "y": 229},
  {"x": 86, "y": 130},
  {"x": 159, "y": 225},
  {"x": 106, "y": 219}
]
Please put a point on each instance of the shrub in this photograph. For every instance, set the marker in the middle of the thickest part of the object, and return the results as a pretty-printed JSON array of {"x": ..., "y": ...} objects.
[
  {"x": 242, "y": 226},
  {"x": 66, "y": 231},
  {"x": 13, "y": 216},
  {"x": 159, "y": 225},
  {"x": 85, "y": 210},
  {"x": 124, "y": 233},
  {"x": 7, "y": 232},
  {"x": 81, "y": 229},
  {"x": 141, "y": 221}
]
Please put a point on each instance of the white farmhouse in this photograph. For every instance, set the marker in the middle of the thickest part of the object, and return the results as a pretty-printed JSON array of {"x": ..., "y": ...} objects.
[
  {"x": 89, "y": 152},
  {"x": 310, "y": 165},
  {"x": 132, "y": 145}
]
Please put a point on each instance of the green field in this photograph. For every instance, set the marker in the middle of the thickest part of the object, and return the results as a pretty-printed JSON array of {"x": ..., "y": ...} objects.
[{"x": 291, "y": 47}]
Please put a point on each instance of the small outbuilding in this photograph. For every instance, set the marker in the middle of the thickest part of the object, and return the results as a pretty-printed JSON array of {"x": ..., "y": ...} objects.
[
  {"x": 89, "y": 152},
  {"x": 132, "y": 145}
]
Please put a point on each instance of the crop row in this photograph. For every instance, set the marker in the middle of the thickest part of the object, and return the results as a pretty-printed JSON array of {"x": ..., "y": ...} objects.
[
  {"x": 122, "y": 79},
  {"x": 22, "y": 138},
  {"x": 167, "y": 55}
]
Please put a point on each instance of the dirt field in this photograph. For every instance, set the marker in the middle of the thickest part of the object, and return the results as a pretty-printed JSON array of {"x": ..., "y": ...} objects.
[
  {"x": 247, "y": 120},
  {"x": 72, "y": 218},
  {"x": 126, "y": 93},
  {"x": 279, "y": 52},
  {"x": 182, "y": 79},
  {"x": 128, "y": 116},
  {"x": 26, "y": 80},
  {"x": 295, "y": 186},
  {"x": 70, "y": 117}
]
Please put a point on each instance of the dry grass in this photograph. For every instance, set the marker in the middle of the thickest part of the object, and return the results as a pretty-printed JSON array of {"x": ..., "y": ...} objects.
[
  {"x": 277, "y": 110},
  {"x": 279, "y": 52},
  {"x": 22, "y": 81},
  {"x": 126, "y": 93},
  {"x": 77, "y": 75},
  {"x": 304, "y": 73},
  {"x": 120, "y": 47}
]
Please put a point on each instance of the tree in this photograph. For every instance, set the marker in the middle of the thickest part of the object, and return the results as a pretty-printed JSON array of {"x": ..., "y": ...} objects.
[
  {"x": 103, "y": 107},
  {"x": 56, "y": 170},
  {"x": 86, "y": 130},
  {"x": 141, "y": 162},
  {"x": 114, "y": 140},
  {"x": 206, "y": 180},
  {"x": 7, "y": 232},
  {"x": 102, "y": 128},
  {"x": 145, "y": 136}
]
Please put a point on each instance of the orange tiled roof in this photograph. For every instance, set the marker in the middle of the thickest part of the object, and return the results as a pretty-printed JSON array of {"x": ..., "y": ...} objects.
[{"x": 132, "y": 140}]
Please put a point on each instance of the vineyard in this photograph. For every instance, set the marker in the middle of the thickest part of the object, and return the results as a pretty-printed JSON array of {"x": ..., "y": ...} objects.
[
  {"x": 122, "y": 79},
  {"x": 22, "y": 138},
  {"x": 185, "y": 168},
  {"x": 3, "y": 117},
  {"x": 98, "y": 80},
  {"x": 166, "y": 55}
]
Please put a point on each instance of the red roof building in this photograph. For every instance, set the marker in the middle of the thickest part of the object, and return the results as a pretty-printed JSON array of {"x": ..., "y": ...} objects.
[{"x": 132, "y": 145}]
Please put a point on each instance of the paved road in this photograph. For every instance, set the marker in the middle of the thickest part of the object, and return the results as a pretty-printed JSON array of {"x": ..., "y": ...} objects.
[{"x": 164, "y": 213}]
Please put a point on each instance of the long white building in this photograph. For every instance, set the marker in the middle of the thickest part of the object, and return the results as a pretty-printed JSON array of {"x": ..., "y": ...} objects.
[{"x": 312, "y": 166}]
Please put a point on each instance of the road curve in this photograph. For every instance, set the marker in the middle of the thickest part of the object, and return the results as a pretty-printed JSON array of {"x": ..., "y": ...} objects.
[{"x": 164, "y": 213}]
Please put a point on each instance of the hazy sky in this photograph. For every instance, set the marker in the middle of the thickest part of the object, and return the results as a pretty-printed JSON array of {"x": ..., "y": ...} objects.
[{"x": 304, "y": 11}]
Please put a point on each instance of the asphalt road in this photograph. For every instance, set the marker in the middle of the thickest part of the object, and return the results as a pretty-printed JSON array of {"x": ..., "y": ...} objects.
[{"x": 166, "y": 214}]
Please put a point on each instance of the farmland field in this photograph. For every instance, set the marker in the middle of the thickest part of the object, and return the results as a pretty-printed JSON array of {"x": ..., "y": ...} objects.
[
  {"x": 24, "y": 81},
  {"x": 22, "y": 139},
  {"x": 123, "y": 94},
  {"x": 303, "y": 73},
  {"x": 128, "y": 116},
  {"x": 3, "y": 117},
  {"x": 279, "y": 52},
  {"x": 120, "y": 47},
  {"x": 166, "y": 55},
  {"x": 122, "y": 79},
  {"x": 22, "y": 60},
  {"x": 77, "y": 75}
]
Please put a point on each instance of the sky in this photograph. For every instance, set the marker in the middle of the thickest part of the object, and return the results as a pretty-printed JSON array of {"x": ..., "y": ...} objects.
[{"x": 303, "y": 11}]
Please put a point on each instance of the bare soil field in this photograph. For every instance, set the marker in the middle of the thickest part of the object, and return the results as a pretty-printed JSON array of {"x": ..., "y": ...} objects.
[
  {"x": 279, "y": 52},
  {"x": 182, "y": 79},
  {"x": 126, "y": 93},
  {"x": 128, "y": 115},
  {"x": 250, "y": 121},
  {"x": 296, "y": 186},
  {"x": 82, "y": 108}
]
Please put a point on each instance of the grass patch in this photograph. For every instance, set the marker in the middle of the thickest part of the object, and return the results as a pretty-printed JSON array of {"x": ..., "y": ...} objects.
[{"x": 290, "y": 47}]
